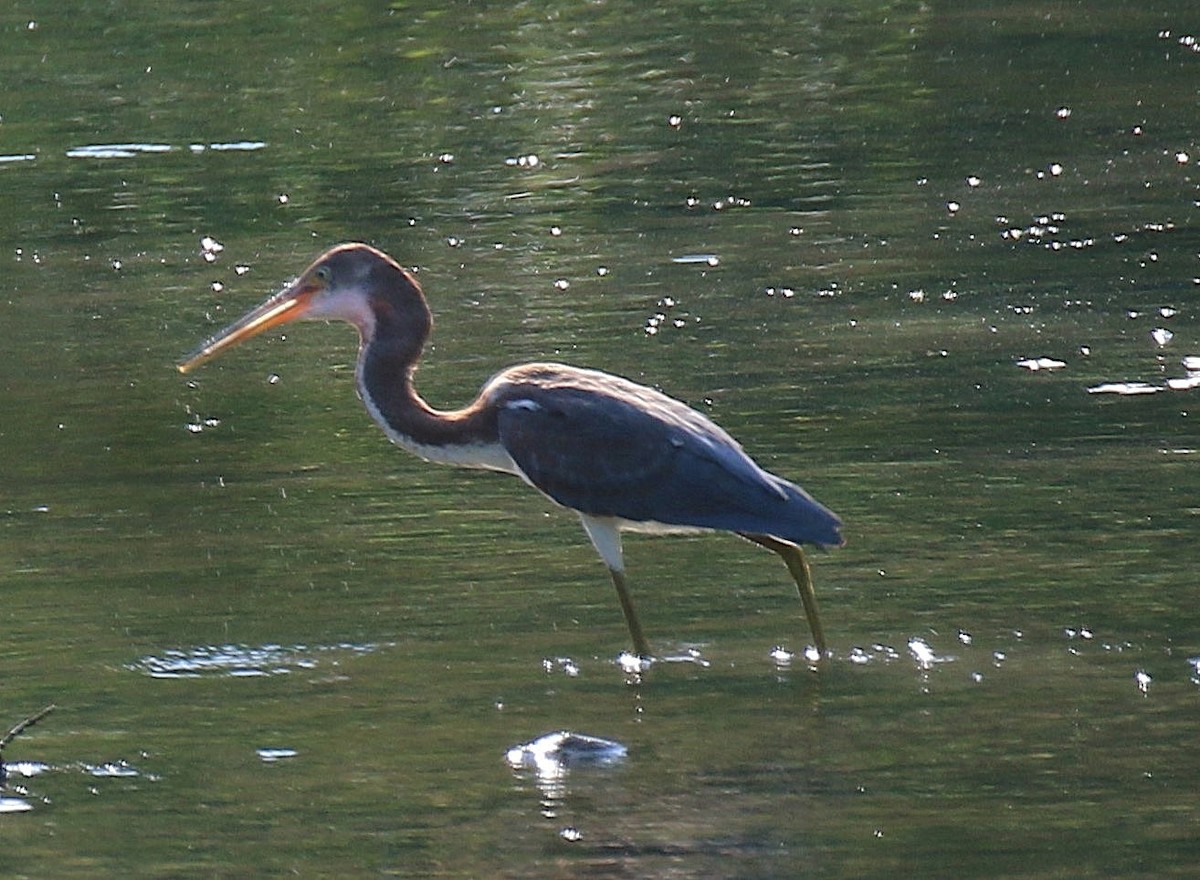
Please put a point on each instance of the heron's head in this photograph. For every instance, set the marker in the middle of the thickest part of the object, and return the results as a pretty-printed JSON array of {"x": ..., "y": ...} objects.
[{"x": 351, "y": 282}]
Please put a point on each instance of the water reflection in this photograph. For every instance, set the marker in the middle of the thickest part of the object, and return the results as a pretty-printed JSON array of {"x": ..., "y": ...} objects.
[
  {"x": 1041, "y": 363},
  {"x": 132, "y": 150},
  {"x": 552, "y": 757},
  {"x": 1125, "y": 389},
  {"x": 1187, "y": 382},
  {"x": 244, "y": 661},
  {"x": 17, "y": 796},
  {"x": 910, "y": 190},
  {"x": 275, "y": 754},
  {"x": 14, "y": 795},
  {"x": 116, "y": 151},
  {"x": 112, "y": 770},
  {"x": 923, "y": 654}
]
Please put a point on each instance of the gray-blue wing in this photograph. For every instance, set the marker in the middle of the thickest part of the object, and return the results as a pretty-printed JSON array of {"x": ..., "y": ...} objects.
[{"x": 609, "y": 447}]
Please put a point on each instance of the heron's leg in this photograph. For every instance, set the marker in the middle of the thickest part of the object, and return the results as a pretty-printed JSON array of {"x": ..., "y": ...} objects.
[
  {"x": 606, "y": 538},
  {"x": 797, "y": 564},
  {"x": 635, "y": 628}
]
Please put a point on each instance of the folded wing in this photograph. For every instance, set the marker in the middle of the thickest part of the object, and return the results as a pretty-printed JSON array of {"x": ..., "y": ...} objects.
[{"x": 612, "y": 448}]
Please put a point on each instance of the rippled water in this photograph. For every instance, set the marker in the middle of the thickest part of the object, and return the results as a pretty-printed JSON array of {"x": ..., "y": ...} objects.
[
  {"x": 242, "y": 661},
  {"x": 938, "y": 263}
]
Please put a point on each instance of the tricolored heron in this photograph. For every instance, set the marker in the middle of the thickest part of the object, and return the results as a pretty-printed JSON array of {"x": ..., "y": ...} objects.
[{"x": 621, "y": 455}]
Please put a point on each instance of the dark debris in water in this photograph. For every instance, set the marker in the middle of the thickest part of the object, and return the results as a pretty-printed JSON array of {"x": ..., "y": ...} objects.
[
  {"x": 551, "y": 755},
  {"x": 16, "y": 731},
  {"x": 15, "y": 797},
  {"x": 20, "y": 728},
  {"x": 25, "y": 768}
]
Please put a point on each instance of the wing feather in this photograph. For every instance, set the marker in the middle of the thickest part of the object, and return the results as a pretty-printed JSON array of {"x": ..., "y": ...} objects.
[{"x": 609, "y": 447}]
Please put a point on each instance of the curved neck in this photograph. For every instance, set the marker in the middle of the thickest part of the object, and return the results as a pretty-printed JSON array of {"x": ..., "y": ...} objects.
[{"x": 467, "y": 436}]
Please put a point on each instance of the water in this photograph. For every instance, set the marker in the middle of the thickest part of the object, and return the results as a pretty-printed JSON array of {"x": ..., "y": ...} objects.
[{"x": 277, "y": 645}]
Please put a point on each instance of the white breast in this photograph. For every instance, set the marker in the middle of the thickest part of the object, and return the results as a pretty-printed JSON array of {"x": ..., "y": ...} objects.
[{"x": 487, "y": 456}]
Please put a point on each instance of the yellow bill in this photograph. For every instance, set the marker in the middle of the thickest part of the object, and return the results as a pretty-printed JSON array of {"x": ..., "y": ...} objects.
[{"x": 279, "y": 309}]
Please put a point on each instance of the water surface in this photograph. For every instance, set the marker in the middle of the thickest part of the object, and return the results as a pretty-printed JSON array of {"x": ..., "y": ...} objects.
[{"x": 844, "y": 230}]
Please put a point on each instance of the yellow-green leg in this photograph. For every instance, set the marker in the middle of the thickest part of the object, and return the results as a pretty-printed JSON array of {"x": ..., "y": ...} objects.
[
  {"x": 635, "y": 628},
  {"x": 797, "y": 564}
]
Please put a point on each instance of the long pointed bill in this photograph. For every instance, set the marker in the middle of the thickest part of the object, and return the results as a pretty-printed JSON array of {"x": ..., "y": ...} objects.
[{"x": 288, "y": 305}]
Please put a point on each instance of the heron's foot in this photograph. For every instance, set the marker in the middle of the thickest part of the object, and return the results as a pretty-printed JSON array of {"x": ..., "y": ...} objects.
[{"x": 634, "y": 664}]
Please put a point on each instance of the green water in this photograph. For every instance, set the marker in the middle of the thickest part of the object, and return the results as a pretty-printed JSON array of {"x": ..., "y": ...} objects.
[{"x": 904, "y": 201}]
